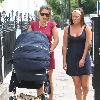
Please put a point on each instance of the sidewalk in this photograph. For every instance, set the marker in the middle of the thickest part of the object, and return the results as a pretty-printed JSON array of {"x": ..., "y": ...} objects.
[{"x": 63, "y": 85}]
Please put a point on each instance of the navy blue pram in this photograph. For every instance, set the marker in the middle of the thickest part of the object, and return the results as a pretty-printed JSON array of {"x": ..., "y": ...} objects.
[
  {"x": 31, "y": 55},
  {"x": 30, "y": 59}
]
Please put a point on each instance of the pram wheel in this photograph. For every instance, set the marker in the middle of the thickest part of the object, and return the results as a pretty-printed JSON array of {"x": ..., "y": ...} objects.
[
  {"x": 47, "y": 86},
  {"x": 13, "y": 82},
  {"x": 43, "y": 97},
  {"x": 12, "y": 98}
]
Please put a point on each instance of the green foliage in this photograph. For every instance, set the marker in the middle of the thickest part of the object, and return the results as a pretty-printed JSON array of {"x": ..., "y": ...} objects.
[
  {"x": 55, "y": 4},
  {"x": 89, "y": 6},
  {"x": 74, "y": 4},
  {"x": 58, "y": 6},
  {"x": 57, "y": 19},
  {"x": 1, "y": 1}
]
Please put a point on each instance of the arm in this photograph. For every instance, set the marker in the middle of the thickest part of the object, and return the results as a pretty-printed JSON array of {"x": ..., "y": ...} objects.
[
  {"x": 55, "y": 37},
  {"x": 29, "y": 28},
  {"x": 88, "y": 42},
  {"x": 64, "y": 48},
  {"x": 87, "y": 46}
]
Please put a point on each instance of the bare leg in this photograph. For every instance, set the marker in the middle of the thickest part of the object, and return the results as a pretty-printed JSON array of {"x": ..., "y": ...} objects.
[
  {"x": 40, "y": 91},
  {"x": 77, "y": 84},
  {"x": 50, "y": 72},
  {"x": 85, "y": 85}
]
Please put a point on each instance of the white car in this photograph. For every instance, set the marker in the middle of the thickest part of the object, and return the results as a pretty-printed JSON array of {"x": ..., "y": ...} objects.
[{"x": 88, "y": 21}]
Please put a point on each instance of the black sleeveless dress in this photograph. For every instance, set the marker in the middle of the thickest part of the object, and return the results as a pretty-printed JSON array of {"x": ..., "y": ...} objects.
[{"x": 75, "y": 51}]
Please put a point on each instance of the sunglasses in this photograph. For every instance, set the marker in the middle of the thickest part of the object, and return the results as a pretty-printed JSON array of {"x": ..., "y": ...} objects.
[{"x": 46, "y": 14}]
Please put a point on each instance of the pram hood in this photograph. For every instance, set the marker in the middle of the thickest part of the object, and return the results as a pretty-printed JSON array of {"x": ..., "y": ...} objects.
[
  {"x": 32, "y": 41},
  {"x": 31, "y": 55}
]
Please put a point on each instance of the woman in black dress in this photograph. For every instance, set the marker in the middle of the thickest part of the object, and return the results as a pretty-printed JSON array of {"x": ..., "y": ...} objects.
[{"x": 76, "y": 58}]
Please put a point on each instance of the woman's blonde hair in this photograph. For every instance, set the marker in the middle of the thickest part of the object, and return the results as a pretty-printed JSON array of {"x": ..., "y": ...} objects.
[{"x": 45, "y": 7}]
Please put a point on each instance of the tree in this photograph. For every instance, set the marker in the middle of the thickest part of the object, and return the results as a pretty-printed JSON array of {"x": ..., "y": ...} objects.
[
  {"x": 57, "y": 19},
  {"x": 79, "y": 3},
  {"x": 57, "y": 9},
  {"x": 1, "y": 1},
  {"x": 55, "y": 4},
  {"x": 89, "y": 6}
]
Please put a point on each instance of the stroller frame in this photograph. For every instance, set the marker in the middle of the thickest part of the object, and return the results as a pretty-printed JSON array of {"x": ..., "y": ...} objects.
[
  {"x": 29, "y": 85},
  {"x": 31, "y": 48}
]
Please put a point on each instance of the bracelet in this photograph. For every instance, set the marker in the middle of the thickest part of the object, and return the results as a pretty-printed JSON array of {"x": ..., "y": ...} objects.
[{"x": 83, "y": 58}]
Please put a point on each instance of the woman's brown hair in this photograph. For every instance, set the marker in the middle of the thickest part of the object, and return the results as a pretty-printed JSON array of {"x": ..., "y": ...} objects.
[{"x": 82, "y": 16}]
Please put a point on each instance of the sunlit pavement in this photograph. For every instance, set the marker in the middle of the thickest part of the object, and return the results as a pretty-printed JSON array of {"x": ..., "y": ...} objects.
[
  {"x": 63, "y": 84},
  {"x": 64, "y": 88}
]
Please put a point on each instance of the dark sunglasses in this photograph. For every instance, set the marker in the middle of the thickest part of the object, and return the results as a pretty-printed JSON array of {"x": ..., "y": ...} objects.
[{"x": 46, "y": 14}]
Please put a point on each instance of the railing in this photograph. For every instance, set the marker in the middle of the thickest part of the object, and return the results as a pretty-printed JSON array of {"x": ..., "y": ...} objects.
[{"x": 8, "y": 27}]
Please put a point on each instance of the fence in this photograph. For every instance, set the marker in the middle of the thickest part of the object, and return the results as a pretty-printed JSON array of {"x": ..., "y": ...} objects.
[{"x": 8, "y": 26}]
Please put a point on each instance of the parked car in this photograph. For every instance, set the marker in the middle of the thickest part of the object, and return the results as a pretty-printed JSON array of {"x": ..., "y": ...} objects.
[{"x": 88, "y": 21}]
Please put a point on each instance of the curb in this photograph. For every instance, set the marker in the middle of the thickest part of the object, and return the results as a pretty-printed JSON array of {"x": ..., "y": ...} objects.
[
  {"x": 3, "y": 92},
  {"x": 4, "y": 95}
]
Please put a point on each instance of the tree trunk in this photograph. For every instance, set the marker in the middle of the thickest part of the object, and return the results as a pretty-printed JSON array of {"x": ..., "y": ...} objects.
[{"x": 79, "y": 3}]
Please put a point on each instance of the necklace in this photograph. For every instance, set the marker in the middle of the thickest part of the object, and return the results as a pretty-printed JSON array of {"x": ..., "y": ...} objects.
[
  {"x": 43, "y": 27},
  {"x": 42, "y": 24}
]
